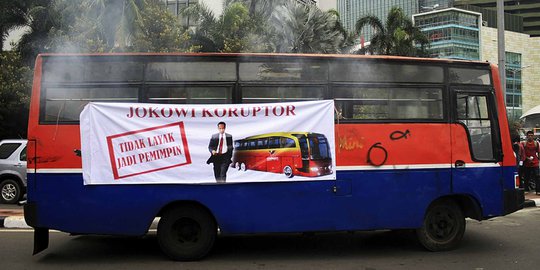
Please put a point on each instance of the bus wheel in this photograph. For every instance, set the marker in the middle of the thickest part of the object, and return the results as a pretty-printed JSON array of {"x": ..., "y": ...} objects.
[
  {"x": 237, "y": 165},
  {"x": 443, "y": 226},
  {"x": 287, "y": 171},
  {"x": 186, "y": 233},
  {"x": 243, "y": 167}
]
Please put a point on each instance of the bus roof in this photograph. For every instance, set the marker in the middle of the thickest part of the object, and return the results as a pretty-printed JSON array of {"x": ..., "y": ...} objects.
[
  {"x": 280, "y": 134},
  {"x": 264, "y": 55}
]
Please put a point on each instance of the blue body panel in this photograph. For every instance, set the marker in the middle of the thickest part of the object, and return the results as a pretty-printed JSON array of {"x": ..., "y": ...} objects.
[{"x": 358, "y": 200}]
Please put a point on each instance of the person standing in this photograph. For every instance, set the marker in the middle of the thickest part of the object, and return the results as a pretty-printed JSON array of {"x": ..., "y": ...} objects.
[
  {"x": 221, "y": 149},
  {"x": 519, "y": 151},
  {"x": 530, "y": 166}
]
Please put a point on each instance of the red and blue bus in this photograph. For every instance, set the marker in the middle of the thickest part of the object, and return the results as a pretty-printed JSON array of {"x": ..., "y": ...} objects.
[
  {"x": 420, "y": 144},
  {"x": 291, "y": 153}
]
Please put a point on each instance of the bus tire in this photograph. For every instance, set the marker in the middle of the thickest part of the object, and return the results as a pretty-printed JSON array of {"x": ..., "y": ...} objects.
[
  {"x": 243, "y": 167},
  {"x": 186, "y": 233},
  {"x": 443, "y": 226},
  {"x": 237, "y": 165},
  {"x": 10, "y": 191},
  {"x": 288, "y": 171}
]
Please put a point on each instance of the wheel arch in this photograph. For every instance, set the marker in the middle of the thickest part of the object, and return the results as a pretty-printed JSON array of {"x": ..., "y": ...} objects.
[
  {"x": 187, "y": 203},
  {"x": 468, "y": 204},
  {"x": 14, "y": 177}
]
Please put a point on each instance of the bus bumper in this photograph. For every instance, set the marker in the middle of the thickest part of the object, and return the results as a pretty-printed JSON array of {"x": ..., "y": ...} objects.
[
  {"x": 41, "y": 235},
  {"x": 513, "y": 200}
]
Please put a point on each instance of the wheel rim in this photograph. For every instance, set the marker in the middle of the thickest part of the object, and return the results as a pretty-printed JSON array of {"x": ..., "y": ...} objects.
[
  {"x": 442, "y": 225},
  {"x": 287, "y": 171},
  {"x": 8, "y": 192},
  {"x": 186, "y": 231}
]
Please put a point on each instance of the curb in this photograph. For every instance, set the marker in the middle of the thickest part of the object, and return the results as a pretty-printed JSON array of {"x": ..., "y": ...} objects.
[
  {"x": 13, "y": 222},
  {"x": 531, "y": 203}
]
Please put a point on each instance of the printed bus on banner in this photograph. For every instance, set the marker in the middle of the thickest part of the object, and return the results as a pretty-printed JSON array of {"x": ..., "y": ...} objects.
[
  {"x": 411, "y": 143},
  {"x": 297, "y": 153}
]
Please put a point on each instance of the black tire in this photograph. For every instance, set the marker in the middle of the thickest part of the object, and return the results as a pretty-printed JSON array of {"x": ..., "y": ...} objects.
[
  {"x": 443, "y": 226},
  {"x": 288, "y": 171},
  {"x": 186, "y": 233},
  {"x": 10, "y": 191}
]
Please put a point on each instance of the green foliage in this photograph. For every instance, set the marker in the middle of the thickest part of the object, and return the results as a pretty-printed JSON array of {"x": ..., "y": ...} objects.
[
  {"x": 15, "y": 86},
  {"x": 306, "y": 29},
  {"x": 14, "y": 14},
  {"x": 160, "y": 31},
  {"x": 398, "y": 36},
  {"x": 234, "y": 31},
  {"x": 267, "y": 26}
]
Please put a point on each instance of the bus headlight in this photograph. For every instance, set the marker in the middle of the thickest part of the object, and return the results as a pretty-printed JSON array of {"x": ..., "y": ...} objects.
[{"x": 316, "y": 169}]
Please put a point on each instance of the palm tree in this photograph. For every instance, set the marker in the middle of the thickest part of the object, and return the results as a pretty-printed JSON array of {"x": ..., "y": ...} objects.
[
  {"x": 305, "y": 29},
  {"x": 119, "y": 20},
  {"x": 233, "y": 31},
  {"x": 14, "y": 14},
  {"x": 397, "y": 37}
]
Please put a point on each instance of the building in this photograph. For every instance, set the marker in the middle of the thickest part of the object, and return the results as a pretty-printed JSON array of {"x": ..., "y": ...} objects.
[
  {"x": 351, "y": 10},
  {"x": 453, "y": 33},
  {"x": 466, "y": 29},
  {"x": 529, "y": 10}
]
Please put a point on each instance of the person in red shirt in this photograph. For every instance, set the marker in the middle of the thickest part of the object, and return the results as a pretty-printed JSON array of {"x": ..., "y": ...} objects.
[{"x": 530, "y": 166}]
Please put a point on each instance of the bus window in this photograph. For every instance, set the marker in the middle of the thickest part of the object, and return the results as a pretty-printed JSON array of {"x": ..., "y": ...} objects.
[
  {"x": 287, "y": 143},
  {"x": 473, "y": 112},
  {"x": 388, "y": 103},
  {"x": 469, "y": 76},
  {"x": 319, "y": 147},
  {"x": 262, "y": 143},
  {"x": 82, "y": 70},
  {"x": 191, "y": 71},
  {"x": 377, "y": 72},
  {"x": 189, "y": 95},
  {"x": 302, "y": 140},
  {"x": 276, "y": 93},
  {"x": 66, "y": 104},
  {"x": 283, "y": 71},
  {"x": 273, "y": 142}
]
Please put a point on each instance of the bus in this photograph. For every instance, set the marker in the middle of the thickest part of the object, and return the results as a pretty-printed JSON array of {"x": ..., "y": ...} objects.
[
  {"x": 420, "y": 144},
  {"x": 293, "y": 153}
]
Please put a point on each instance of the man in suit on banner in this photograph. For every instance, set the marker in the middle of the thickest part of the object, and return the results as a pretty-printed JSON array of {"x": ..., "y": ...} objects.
[{"x": 221, "y": 149}]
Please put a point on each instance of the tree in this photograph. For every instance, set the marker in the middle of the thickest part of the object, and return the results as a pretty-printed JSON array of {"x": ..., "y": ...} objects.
[
  {"x": 398, "y": 36},
  {"x": 15, "y": 87},
  {"x": 233, "y": 31},
  {"x": 161, "y": 31},
  {"x": 305, "y": 29},
  {"x": 119, "y": 20},
  {"x": 14, "y": 14},
  {"x": 44, "y": 16}
]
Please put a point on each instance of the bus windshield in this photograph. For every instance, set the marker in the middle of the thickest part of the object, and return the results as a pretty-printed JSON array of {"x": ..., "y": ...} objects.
[{"x": 319, "y": 147}]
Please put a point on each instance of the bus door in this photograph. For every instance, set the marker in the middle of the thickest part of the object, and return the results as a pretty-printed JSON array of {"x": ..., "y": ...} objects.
[
  {"x": 476, "y": 147},
  {"x": 273, "y": 163}
]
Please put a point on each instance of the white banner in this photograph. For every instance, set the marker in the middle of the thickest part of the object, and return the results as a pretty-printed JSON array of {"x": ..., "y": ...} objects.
[{"x": 134, "y": 143}]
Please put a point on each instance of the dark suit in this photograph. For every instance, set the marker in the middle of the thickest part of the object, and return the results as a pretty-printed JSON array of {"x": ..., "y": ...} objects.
[{"x": 221, "y": 161}]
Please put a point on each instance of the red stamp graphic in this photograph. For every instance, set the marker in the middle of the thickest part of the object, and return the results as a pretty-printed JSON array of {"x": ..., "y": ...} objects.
[{"x": 148, "y": 150}]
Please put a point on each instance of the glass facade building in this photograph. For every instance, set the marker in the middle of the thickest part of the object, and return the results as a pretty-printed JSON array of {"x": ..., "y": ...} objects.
[
  {"x": 452, "y": 33},
  {"x": 352, "y": 10},
  {"x": 513, "y": 85}
]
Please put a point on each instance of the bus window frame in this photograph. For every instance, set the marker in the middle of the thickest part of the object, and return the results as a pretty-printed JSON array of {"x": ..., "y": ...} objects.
[
  {"x": 45, "y": 87},
  {"x": 445, "y": 106},
  {"x": 143, "y": 94},
  {"x": 489, "y": 92}
]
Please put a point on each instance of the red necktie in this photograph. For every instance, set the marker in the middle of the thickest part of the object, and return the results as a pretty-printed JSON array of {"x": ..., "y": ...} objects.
[{"x": 220, "y": 147}]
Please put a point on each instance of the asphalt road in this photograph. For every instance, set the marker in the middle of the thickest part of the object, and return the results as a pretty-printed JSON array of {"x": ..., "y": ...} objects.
[{"x": 510, "y": 242}]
